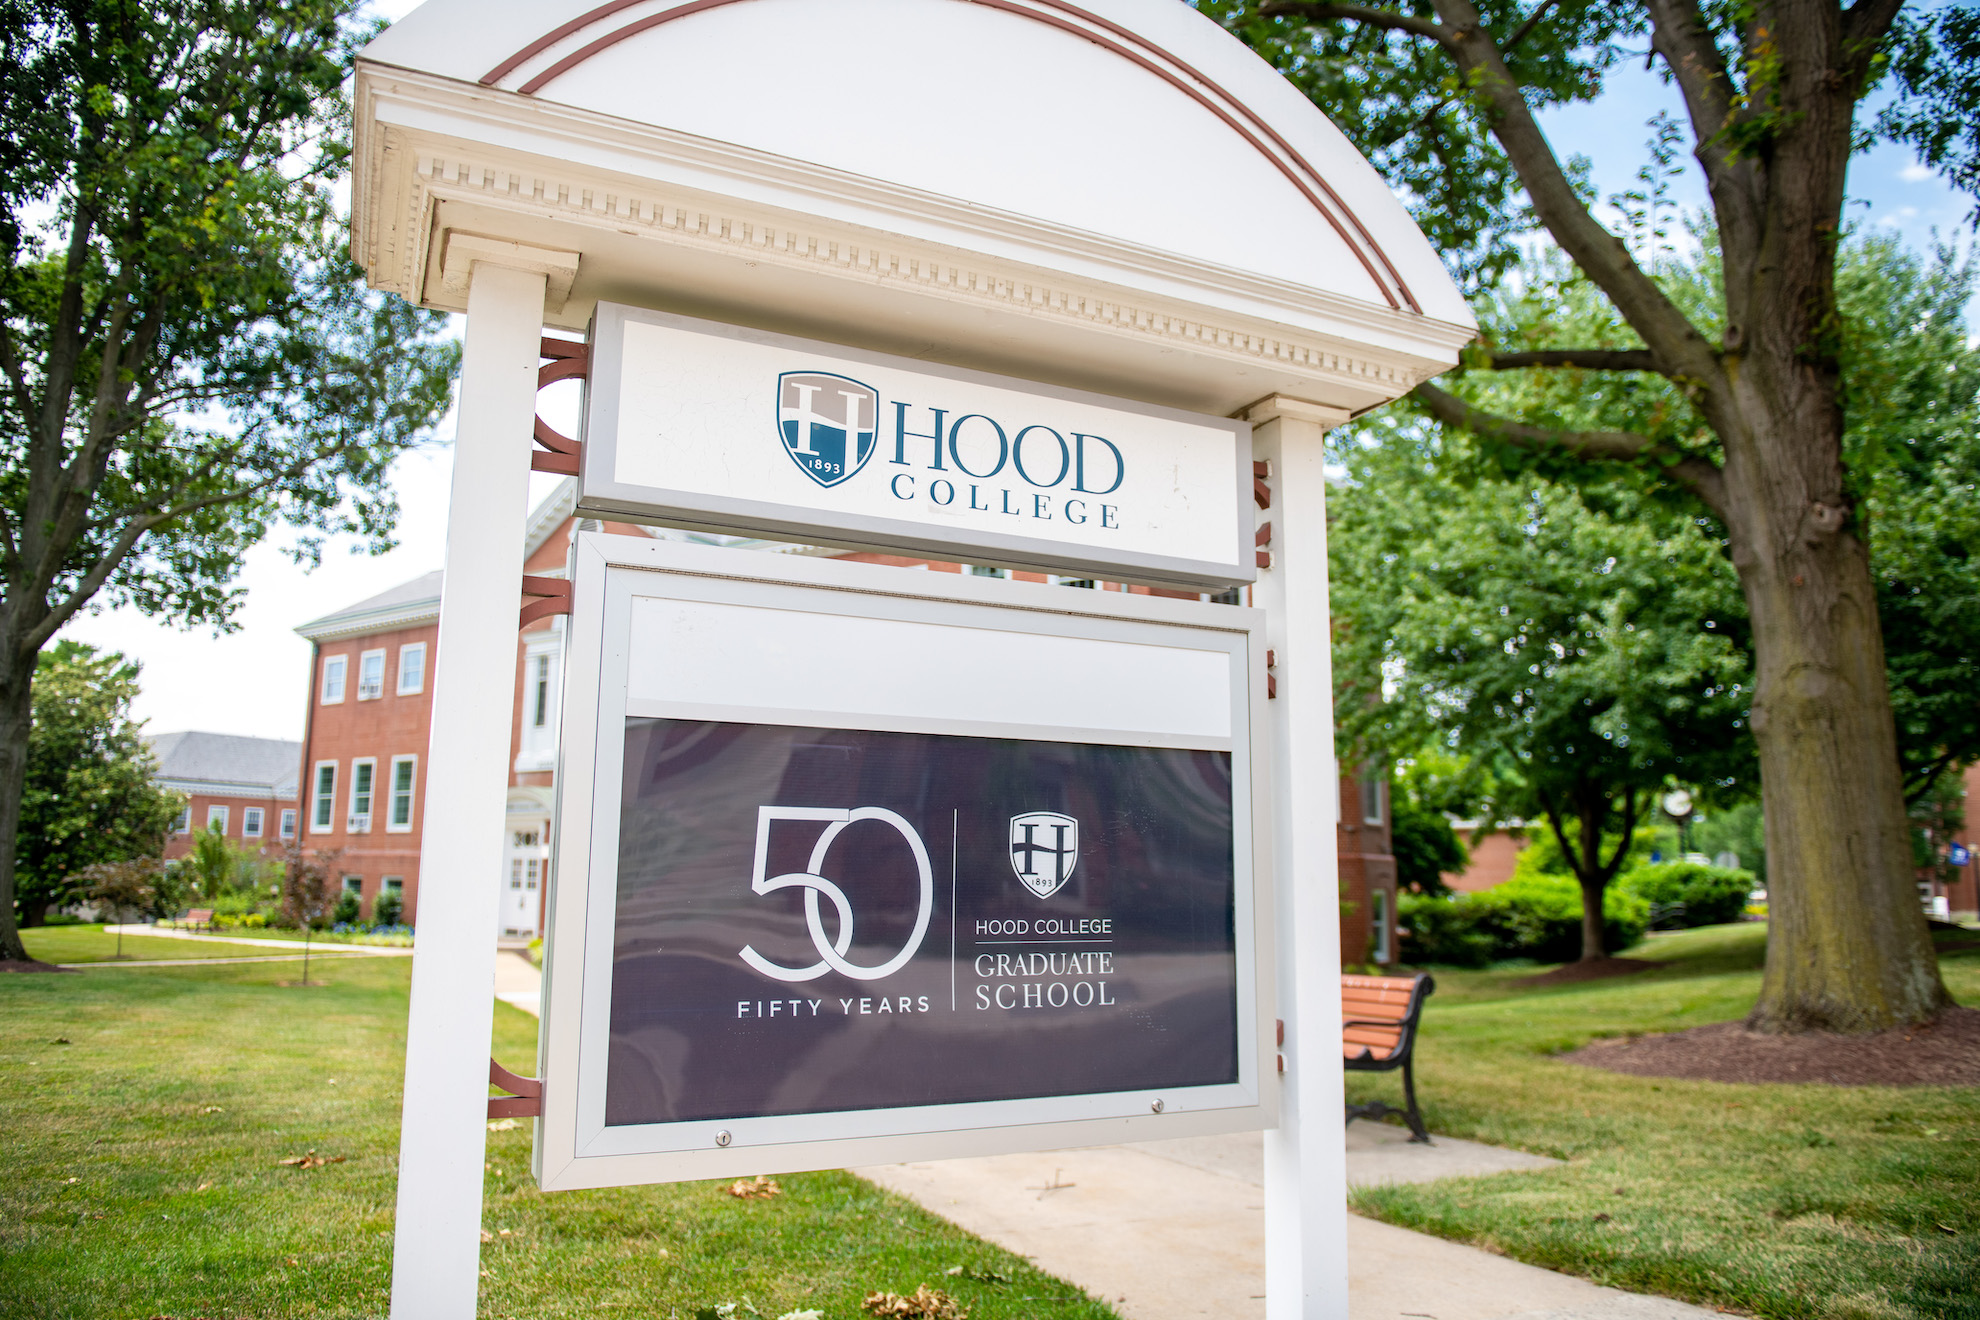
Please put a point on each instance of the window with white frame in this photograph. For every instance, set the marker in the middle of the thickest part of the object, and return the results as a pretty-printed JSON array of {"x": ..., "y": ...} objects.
[
  {"x": 1378, "y": 912},
  {"x": 354, "y": 884},
  {"x": 371, "y": 675},
  {"x": 216, "y": 819},
  {"x": 1374, "y": 797},
  {"x": 288, "y": 822},
  {"x": 325, "y": 805},
  {"x": 251, "y": 823},
  {"x": 395, "y": 884},
  {"x": 362, "y": 770},
  {"x": 184, "y": 821},
  {"x": 540, "y": 701},
  {"x": 333, "y": 678},
  {"x": 540, "y": 693},
  {"x": 405, "y": 770},
  {"x": 525, "y": 873},
  {"x": 984, "y": 570},
  {"x": 412, "y": 668}
]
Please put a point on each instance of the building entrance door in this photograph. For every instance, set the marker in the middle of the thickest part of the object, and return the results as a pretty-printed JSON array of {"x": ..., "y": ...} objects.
[{"x": 525, "y": 869}]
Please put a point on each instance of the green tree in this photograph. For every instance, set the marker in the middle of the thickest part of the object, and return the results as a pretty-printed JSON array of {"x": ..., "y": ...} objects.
[
  {"x": 87, "y": 796},
  {"x": 1425, "y": 846},
  {"x": 137, "y": 886},
  {"x": 1442, "y": 95},
  {"x": 187, "y": 356},
  {"x": 1520, "y": 626},
  {"x": 216, "y": 864},
  {"x": 307, "y": 900},
  {"x": 1913, "y": 448}
]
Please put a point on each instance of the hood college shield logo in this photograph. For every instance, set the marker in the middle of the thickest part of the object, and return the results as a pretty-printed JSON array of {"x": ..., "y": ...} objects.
[
  {"x": 1044, "y": 850},
  {"x": 828, "y": 424}
]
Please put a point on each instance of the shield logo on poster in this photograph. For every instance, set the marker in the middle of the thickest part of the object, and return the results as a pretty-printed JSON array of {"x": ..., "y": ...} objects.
[
  {"x": 1044, "y": 850},
  {"x": 832, "y": 949},
  {"x": 828, "y": 424}
]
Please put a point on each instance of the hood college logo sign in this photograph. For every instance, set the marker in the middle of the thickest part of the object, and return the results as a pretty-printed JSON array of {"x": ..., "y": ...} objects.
[
  {"x": 1044, "y": 850},
  {"x": 828, "y": 424}
]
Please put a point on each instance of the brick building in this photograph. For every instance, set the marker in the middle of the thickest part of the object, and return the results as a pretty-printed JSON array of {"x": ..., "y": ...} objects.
[
  {"x": 1368, "y": 868},
  {"x": 370, "y": 713},
  {"x": 245, "y": 787}
]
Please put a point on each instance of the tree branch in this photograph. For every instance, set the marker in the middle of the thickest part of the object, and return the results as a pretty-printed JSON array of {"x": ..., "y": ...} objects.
[
  {"x": 1615, "y": 861},
  {"x": 1701, "y": 476},
  {"x": 1589, "y": 359},
  {"x": 99, "y": 573},
  {"x": 1600, "y": 254},
  {"x": 1865, "y": 25},
  {"x": 1678, "y": 32},
  {"x": 1314, "y": 12}
]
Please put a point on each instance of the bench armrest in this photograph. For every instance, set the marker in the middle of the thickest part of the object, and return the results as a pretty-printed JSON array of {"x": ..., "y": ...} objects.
[{"x": 1397, "y": 1023}]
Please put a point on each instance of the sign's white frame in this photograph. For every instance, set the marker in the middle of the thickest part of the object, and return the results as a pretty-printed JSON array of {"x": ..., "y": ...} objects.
[
  {"x": 600, "y": 493},
  {"x": 573, "y": 1148}
]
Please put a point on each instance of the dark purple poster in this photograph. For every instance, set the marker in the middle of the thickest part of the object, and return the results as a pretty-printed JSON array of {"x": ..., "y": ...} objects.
[{"x": 814, "y": 920}]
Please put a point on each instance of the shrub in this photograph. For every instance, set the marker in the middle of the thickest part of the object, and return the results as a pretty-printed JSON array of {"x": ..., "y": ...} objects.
[
  {"x": 348, "y": 908},
  {"x": 1530, "y": 916},
  {"x": 387, "y": 908},
  {"x": 1443, "y": 930},
  {"x": 1539, "y": 917},
  {"x": 1687, "y": 894}
]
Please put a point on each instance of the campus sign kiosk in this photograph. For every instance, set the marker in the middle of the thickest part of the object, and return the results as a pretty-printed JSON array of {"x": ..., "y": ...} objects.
[{"x": 856, "y": 864}]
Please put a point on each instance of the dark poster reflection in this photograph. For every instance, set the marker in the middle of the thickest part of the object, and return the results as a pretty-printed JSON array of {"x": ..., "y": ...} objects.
[{"x": 1073, "y": 904}]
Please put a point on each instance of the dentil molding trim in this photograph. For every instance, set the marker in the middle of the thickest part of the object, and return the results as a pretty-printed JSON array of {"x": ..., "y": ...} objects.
[{"x": 417, "y": 161}]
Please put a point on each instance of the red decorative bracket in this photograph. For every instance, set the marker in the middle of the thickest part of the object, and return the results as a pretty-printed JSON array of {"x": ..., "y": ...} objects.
[
  {"x": 525, "y": 1100},
  {"x": 1271, "y": 691},
  {"x": 555, "y": 596},
  {"x": 1260, "y": 492},
  {"x": 569, "y": 360},
  {"x": 1261, "y": 539}
]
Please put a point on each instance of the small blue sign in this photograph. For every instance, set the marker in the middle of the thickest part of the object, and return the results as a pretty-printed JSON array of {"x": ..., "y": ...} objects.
[{"x": 1959, "y": 855}]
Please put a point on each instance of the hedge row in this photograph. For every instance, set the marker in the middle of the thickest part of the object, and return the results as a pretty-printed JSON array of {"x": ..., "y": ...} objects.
[{"x": 1539, "y": 917}]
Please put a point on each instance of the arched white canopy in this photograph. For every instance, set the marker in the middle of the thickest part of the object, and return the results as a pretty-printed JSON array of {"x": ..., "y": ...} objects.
[{"x": 1112, "y": 193}]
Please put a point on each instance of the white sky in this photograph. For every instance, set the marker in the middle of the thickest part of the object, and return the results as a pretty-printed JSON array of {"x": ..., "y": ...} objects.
[{"x": 252, "y": 680}]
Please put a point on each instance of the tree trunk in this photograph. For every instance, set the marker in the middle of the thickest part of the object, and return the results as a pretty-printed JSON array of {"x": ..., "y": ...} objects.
[
  {"x": 16, "y": 721},
  {"x": 1847, "y": 946},
  {"x": 1591, "y": 919},
  {"x": 1593, "y": 876}
]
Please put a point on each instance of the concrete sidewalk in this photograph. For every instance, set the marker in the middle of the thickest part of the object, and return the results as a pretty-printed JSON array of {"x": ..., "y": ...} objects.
[
  {"x": 518, "y": 981},
  {"x": 293, "y": 946},
  {"x": 1175, "y": 1230}
]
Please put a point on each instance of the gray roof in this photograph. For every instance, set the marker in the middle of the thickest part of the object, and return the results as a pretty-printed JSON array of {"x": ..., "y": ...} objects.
[
  {"x": 409, "y": 602},
  {"x": 227, "y": 762}
]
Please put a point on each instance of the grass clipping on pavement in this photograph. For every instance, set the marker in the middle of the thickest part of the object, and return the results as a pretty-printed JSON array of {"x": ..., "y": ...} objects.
[
  {"x": 205, "y": 1141},
  {"x": 1803, "y": 1202}
]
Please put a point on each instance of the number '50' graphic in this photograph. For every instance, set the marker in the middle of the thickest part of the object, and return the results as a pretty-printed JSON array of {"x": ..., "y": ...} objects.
[{"x": 831, "y": 952}]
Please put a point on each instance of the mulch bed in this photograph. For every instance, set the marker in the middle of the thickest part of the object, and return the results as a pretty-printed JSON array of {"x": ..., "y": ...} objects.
[
  {"x": 1946, "y": 1053},
  {"x": 1593, "y": 969}
]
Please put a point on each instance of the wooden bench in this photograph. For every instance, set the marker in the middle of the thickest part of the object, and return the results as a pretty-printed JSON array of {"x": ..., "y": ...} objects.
[
  {"x": 1378, "y": 1034},
  {"x": 199, "y": 917}
]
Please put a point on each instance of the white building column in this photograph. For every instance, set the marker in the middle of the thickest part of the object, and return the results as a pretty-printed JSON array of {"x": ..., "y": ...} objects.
[
  {"x": 1305, "y": 1158},
  {"x": 436, "y": 1260}
]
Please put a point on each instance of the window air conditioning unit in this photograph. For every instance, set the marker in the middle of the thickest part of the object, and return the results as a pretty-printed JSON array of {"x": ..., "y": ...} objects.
[{"x": 359, "y": 824}]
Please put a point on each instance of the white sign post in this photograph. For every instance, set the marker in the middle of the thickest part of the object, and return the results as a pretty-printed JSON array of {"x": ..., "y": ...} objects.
[{"x": 1098, "y": 276}]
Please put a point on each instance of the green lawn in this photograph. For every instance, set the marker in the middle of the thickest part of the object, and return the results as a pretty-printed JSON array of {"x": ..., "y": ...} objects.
[
  {"x": 1831, "y": 1203},
  {"x": 296, "y": 936},
  {"x": 89, "y": 944},
  {"x": 140, "y": 1175}
]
